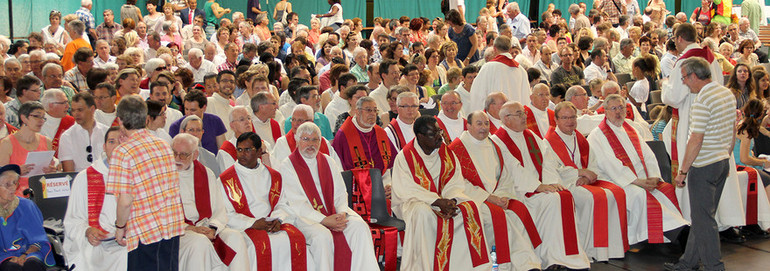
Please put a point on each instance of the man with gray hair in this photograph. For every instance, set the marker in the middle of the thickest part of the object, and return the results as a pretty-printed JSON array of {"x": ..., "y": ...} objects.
[
  {"x": 449, "y": 118},
  {"x": 13, "y": 70},
  {"x": 518, "y": 21},
  {"x": 56, "y": 118},
  {"x": 706, "y": 160},
  {"x": 492, "y": 105},
  {"x": 625, "y": 58},
  {"x": 198, "y": 66},
  {"x": 84, "y": 15},
  {"x": 103, "y": 54},
  {"x": 577, "y": 20},
  {"x": 36, "y": 58},
  {"x": 400, "y": 130},
  {"x": 287, "y": 144},
  {"x": 76, "y": 30},
  {"x": 502, "y": 73},
  {"x": 336, "y": 235},
  {"x": 193, "y": 125},
  {"x": 264, "y": 107}
]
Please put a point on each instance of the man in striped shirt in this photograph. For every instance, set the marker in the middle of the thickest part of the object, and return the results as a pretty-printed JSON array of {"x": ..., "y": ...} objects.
[{"x": 706, "y": 161}]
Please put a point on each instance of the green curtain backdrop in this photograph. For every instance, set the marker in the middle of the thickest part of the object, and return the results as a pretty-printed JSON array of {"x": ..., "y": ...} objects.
[{"x": 429, "y": 9}]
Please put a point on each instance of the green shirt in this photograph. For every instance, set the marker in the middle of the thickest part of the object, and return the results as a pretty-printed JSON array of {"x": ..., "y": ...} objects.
[{"x": 210, "y": 17}]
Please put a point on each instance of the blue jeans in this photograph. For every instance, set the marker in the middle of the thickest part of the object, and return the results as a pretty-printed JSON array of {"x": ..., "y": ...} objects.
[{"x": 161, "y": 256}]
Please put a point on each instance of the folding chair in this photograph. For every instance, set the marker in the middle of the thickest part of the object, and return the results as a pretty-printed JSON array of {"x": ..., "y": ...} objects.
[
  {"x": 655, "y": 97},
  {"x": 50, "y": 192},
  {"x": 374, "y": 209},
  {"x": 664, "y": 161},
  {"x": 623, "y": 78}
]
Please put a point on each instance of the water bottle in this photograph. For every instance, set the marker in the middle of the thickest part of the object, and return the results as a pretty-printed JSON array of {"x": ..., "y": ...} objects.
[{"x": 493, "y": 258}]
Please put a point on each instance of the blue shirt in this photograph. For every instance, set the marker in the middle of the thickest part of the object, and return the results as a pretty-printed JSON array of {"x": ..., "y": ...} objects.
[
  {"x": 320, "y": 120},
  {"x": 212, "y": 127},
  {"x": 463, "y": 42},
  {"x": 519, "y": 26},
  {"x": 86, "y": 17}
]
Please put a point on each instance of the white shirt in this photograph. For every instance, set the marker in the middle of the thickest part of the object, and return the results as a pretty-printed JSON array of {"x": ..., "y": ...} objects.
[
  {"x": 104, "y": 118},
  {"x": 455, "y": 127},
  {"x": 50, "y": 126},
  {"x": 161, "y": 133},
  {"x": 75, "y": 140},
  {"x": 594, "y": 71},
  {"x": 465, "y": 97},
  {"x": 220, "y": 106},
  {"x": 336, "y": 107},
  {"x": 541, "y": 116},
  {"x": 640, "y": 91},
  {"x": 528, "y": 54},
  {"x": 380, "y": 96},
  {"x": 205, "y": 68},
  {"x": 172, "y": 115},
  {"x": 99, "y": 62}
]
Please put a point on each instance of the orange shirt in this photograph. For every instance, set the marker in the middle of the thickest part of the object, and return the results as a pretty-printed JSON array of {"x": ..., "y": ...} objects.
[{"x": 69, "y": 52}]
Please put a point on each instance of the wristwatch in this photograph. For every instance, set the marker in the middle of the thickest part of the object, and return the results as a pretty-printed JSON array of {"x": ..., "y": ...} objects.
[{"x": 682, "y": 173}]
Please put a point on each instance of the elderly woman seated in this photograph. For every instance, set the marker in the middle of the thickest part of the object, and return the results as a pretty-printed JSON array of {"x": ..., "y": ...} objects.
[{"x": 23, "y": 240}]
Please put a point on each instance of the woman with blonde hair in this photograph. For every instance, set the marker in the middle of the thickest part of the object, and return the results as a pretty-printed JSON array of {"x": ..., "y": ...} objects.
[{"x": 449, "y": 50}]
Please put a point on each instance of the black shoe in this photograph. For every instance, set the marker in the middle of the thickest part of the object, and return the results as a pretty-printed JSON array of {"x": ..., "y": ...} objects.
[
  {"x": 731, "y": 235},
  {"x": 677, "y": 266},
  {"x": 754, "y": 231}
]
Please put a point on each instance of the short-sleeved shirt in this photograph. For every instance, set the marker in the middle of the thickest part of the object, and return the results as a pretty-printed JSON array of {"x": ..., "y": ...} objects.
[
  {"x": 86, "y": 17},
  {"x": 613, "y": 8},
  {"x": 107, "y": 32},
  {"x": 463, "y": 41},
  {"x": 143, "y": 166},
  {"x": 212, "y": 127},
  {"x": 562, "y": 76},
  {"x": 713, "y": 115}
]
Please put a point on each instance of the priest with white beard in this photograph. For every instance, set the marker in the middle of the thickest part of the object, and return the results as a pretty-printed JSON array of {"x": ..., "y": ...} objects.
[
  {"x": 240, "y": 123},
  {"x": 492, "y": 106},
  {"x": 539, "y": 117},
  {"x": 204, "y": 246},
  {"x": 450, "y": 118},
  {"x": 400, "y": 131},
  {"x": 90, "y": 219},
  {"x": 428, "y": 194},
  {"x": 652, "y": 204},
  {"x": 337, "y": 237},
  {"x": 502, "y": 73},
  {"x": 285, "y": 145},
  {"x": 541, "y": 189},
  {"x": 258, "y": 208},
  {"x": 489, "y": 183},
  {"x": 600, "y": 205}
]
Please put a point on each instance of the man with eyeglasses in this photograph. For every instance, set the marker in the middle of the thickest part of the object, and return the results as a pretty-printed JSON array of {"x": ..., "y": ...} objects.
[
  {"x": 56, "y": 118},
  {"x": 337, "y": 237},
  {"x": 104, "y": 99},
  {"x": 258, "y": 208},
  {"x": 152, "y": 69},
  {"x": 221, "y": 102},
  {"x": 400, "y": 130},
  {"x": 27, "y": 90},
  {"x": 286, "y": 144},
  {"x": 600, "y": 205},
  {"x": 632, "y": 113},
  {"x": 539, "y": 116},
  {"x": 206, "y": 232},
  {"x": 492, "y": 105},
  {"x": 36, "y": 62},
  {"x": 264, "y": 107},
  {"x": 194, "y": 125},
  {"x": 652, "y": 201},
  {"x": 84, "y": 61},
  {"x": 82, "y": 143},
  {"x": 502, "y": 73},
  {"x": 53, "y": 77},
  {"x": 567, "y": 73},
  {"x": 449, "y": 119},
  {"x": 540, "y": 188},
  {"x": 240, "y": 123},
  {"x": 308, "y": 95}
]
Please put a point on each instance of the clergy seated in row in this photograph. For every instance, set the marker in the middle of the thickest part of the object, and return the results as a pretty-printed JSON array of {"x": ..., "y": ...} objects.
[
  {"x": 539, "y": 116},
  {"x": 266, "y": 118},
  {"x": 632, "y": 113},
  {"x": 542, "y": 191},
  {"x": 90, "y": 219},
  {"x": 450, "y": 119},
  {"x": 208, "y": 244},
  {"x": 240, "y": 123},
  {"x": 308, "y": 95},
  {"x": 489, "y": 183},
  {"x": 492, "y": 106},
  {"x": 105, "y": 98},
  {"x": 82, "y": 143},
  {"x": 600, "y": 205},
  {"x": 651, "y": 203},
  {"x": 57, "y": 120},
  {"x": 287, "y": 144},
  {"x": 194, "y": 125},
  {"x": 443, "y": 225},
  {"x": 587, "y": 120},
  {"x": 400, "y": 131},
  {"x": 337, "y": 237},
  {"x": 221, "y": 102},
  {"x": 195, "y": 103},
  {"x": 259, "y": 210}
]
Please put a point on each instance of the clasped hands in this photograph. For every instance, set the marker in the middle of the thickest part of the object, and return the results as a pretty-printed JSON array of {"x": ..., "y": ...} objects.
[
  {"x": 448, "y": 207},
  {"x": 268, "y": 226}
]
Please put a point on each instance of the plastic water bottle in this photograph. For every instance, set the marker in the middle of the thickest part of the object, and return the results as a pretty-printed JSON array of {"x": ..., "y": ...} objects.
[{"x": 493, "y": 258}]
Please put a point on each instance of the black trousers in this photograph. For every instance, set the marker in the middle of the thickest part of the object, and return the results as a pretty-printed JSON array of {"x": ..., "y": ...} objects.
[{"x": 161, "y": 256}]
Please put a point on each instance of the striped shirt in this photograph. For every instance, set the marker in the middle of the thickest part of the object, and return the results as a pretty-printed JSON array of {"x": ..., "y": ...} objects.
[
  {"x": 144, "y": 167},
  {"x": 713, "y": 115}
]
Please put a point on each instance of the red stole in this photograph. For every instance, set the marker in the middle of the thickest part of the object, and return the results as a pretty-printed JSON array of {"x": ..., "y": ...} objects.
[
  {"x": 275, "y": 129},
  {"x": 360, "y": 160},
  {"x": 505, "y": 60},
  {"x": 601, "y": 238},
  {"x": 751, "y": 194},
  {"x": 342, "y": 252},
  {"x": 400, "y": 140},
  {"x": 96, "y": 191},
  {"x": 66, "y": 123},
  {"x": 115, "y": 122},
  {"x": 445, "y": 227},
  {"x": 202, "y": 193},
  {"x": 447, "y": 139},
  {"x": 674, "y": 149},
  {"x": 654, "y": 209},
  {"x": 324, "y": 148},
  {"x": 492, "y": 127},
  {"x": 10, "y": 128},
  {"x": 229, "y": 148},
  {"x": 532, "y": 122},
  {"x": 629, "y": 111},
  {"x": 698, "y": 52},
  {"x": 567, "y": 204},
  {"x": 237, "y": 198}
]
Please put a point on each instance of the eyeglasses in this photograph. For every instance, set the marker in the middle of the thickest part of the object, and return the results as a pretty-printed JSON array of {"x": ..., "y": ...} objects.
[
  {"x": 293, "y": 120},
  {"x": 245, "y": 149},
  {"x": 90, "y": 157},
  {"x": 160, "y": 68},
  {"x": 368, "y": 110},
  {"x": 452, "y": 103},
  {"x": 409, "y": 106},
  {"x": 311, "y": 140},
  {"x": 616, "y": 108},
  {"x": 568, "y": 118},
  {"x": 60, "y": 103},
  {"x": 182, "y": 155},
  {"x": 40, "y": 117}
]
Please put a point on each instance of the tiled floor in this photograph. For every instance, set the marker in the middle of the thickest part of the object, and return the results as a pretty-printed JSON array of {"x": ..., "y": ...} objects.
[{"x": 752, "y": 255}]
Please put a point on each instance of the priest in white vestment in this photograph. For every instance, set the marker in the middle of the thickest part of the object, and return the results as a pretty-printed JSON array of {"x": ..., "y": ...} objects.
[
  {"x": 492, "y": 106},
  {"x": 489, "y": 183},
  {"x": 240, "y": 123},
  {"x": 636, "y": 119},
  {"x": 87, "y": 227},
  {"x": 450, "y": 118},
  {"x": 57, "y": 119},
  {"x": 221, "y": 102},
  {"x": 541, "y": 189},
  {"x": 400, "y": 130},
  {"x": 266, "y": 120},
  {"x": 427, "y": 193},
  {"x": 539, "y": 117},
  {"x": 256, "y": 204},
  {"x": 638, "y": 175},
  {"x": 587, "y": 120},
  {"x": 104, "y": 98},
  {"x": 502, "y": 73},
  {"x": 205, "y": 213},
  {"x": 285, "y": 145},
  {"x": 337, "y": 237},
  {"x": 600, "y": 205}
]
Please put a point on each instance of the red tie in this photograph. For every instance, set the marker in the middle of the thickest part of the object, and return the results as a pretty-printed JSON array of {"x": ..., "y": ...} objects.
[{"x": 190, "y": 21}]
